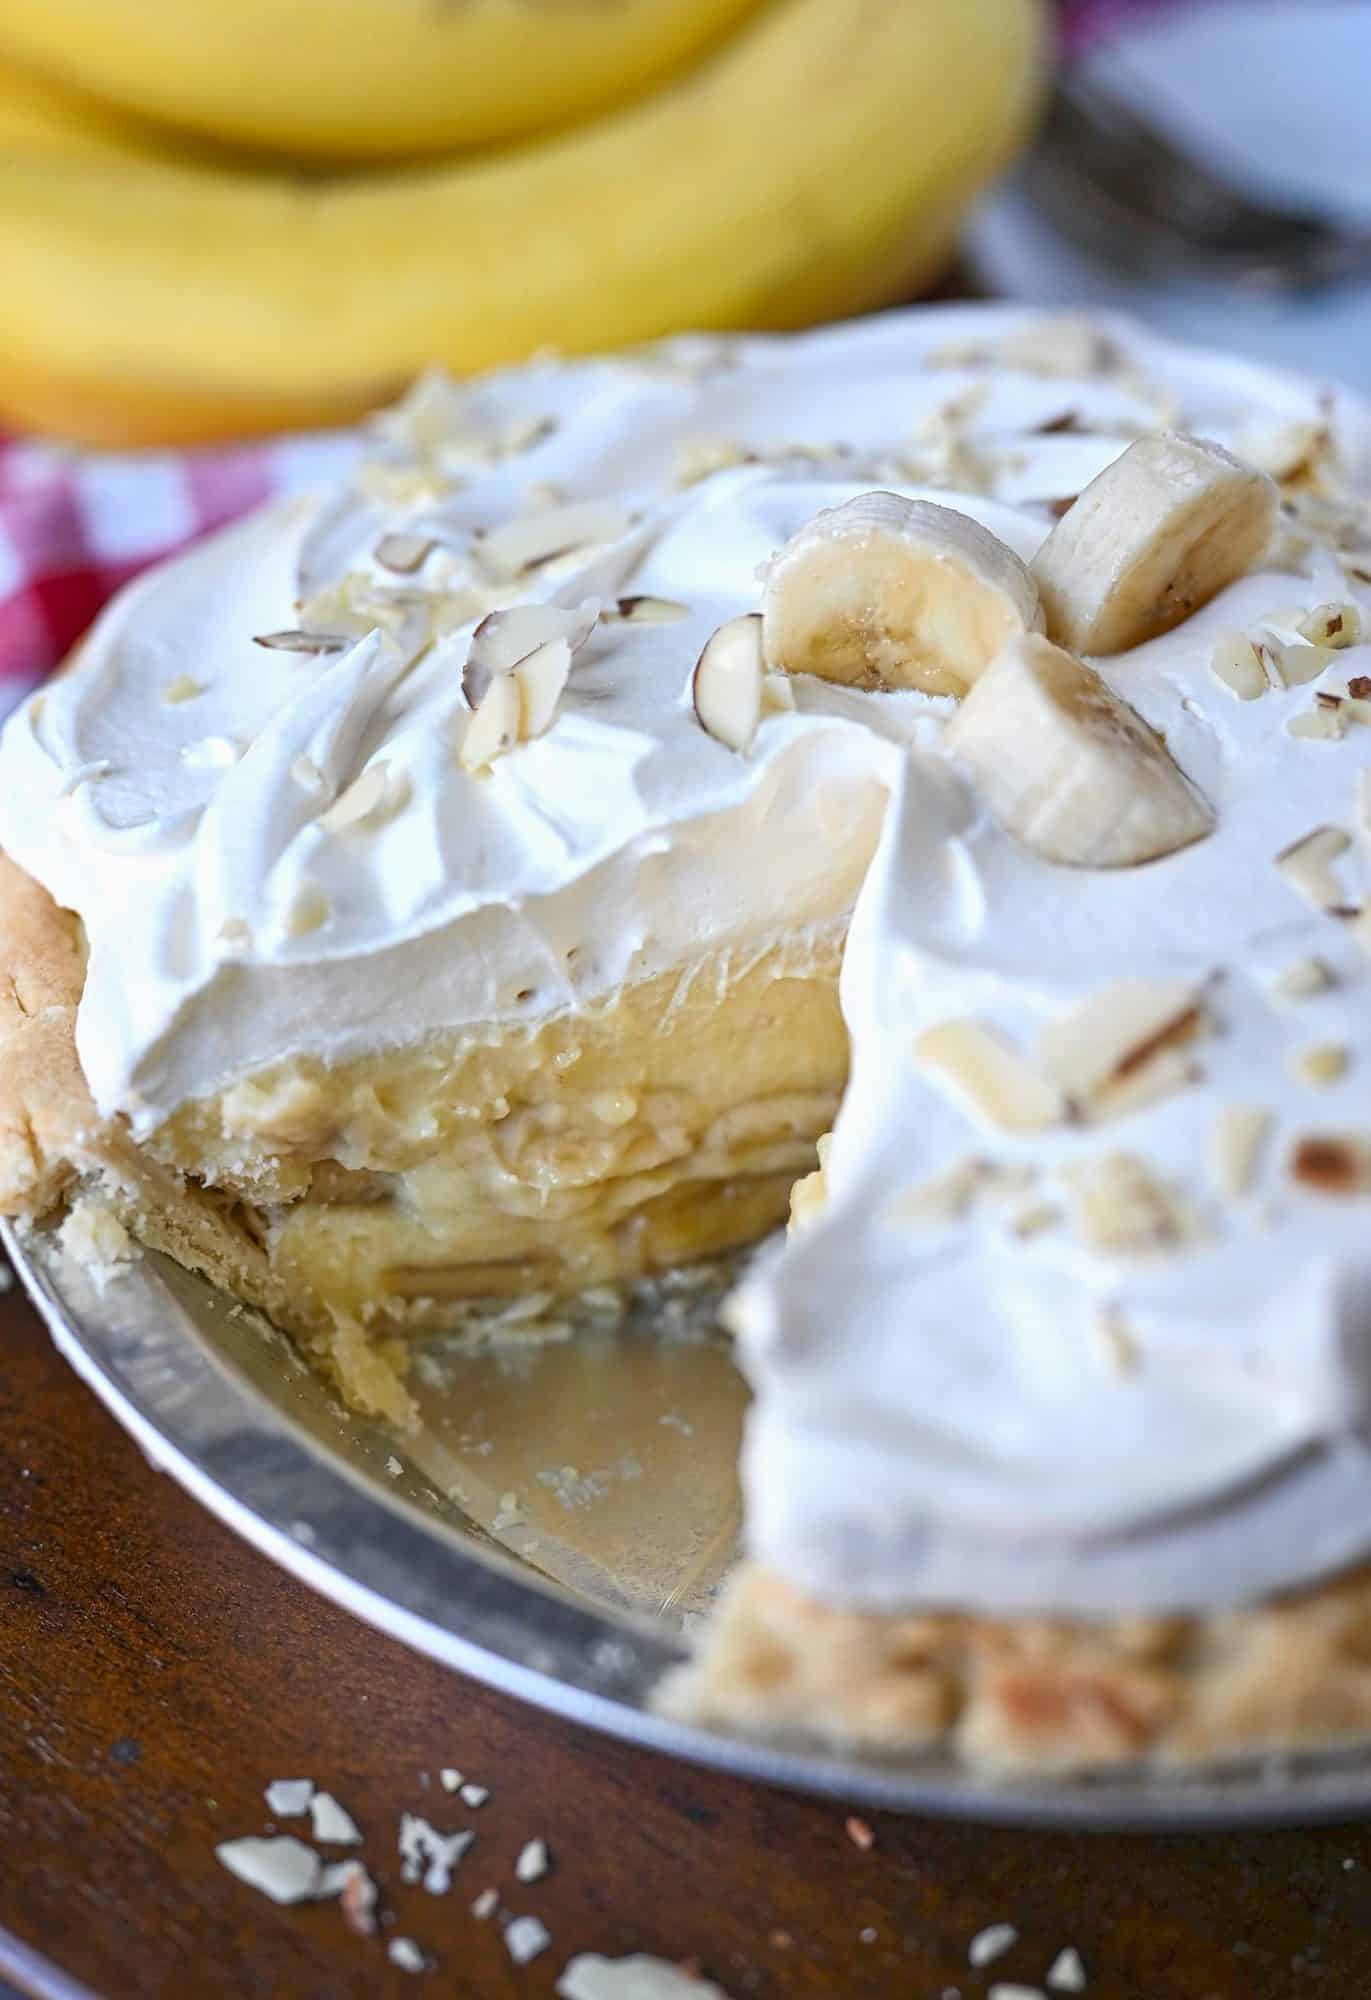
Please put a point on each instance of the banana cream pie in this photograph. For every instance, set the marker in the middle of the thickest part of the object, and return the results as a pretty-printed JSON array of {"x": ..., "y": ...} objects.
[{"x": 430, "y": 896}]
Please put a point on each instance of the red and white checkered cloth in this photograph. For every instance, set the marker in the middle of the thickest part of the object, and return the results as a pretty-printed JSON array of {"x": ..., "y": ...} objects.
[{"x": 75, "y": 525}]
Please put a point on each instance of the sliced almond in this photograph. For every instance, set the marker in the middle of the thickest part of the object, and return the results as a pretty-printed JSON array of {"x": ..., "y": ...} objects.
[
  {"x": 184, "y": 687},
  {"x": 357, "y": 604},
  {"x": 1290, "y": 547},
  {"x": 1307, "y": 865},
  {"x": 1320, "y": 1064},
  {"x": 778, "y": 694},
  {"x": 705, "y": 456},
  {"x": 541, "y": 679},
  {"x": 494, "y": 728},
  {"x": 528, "y": 432},
  {"x": 726, "y": 686},
  {"x": 1035, "y": 1219},
  {"x": 1298, "y": 665},
  {"x": 302, "y": 642},
  {"x": 1063, "y": 346},
  {"x": 1239, "y": 1134},
  {"x": 989, "y": 1077},
  {"x": 309, "y": 912},
  {"x": 504, "y": 638},
  {"x": 402, "y": 485},
  {"x": 1317, "y": 725},
  {"x": 940, "y": 1199},
  {"x": 371, "y": 797},
  {"x": 1283, "y": 448},
  {"x": 1333, "y": 1163},
  {"x": 1003, "y": 1180},
  {"x": 307, "y": 775},
  {"x": 1122, "y": 1208},
  {"x": 1285, "y": 617},
  {"x": 1118, "y": 1343},
  {"x": 1117, "y": 1032},
  {"x": 1332, "y": 625},
  {"x": 1302, "y": 980},
  {"x": 1153, "y": 1077},
  {"x": 539, "y": 538},
  {"x": 404, "y": 553},
  {"x": 644, "y": 610},
  {"x": 1237, "y": 662}
]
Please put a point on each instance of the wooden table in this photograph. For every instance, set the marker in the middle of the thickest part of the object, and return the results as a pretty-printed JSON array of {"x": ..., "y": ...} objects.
[{"x": 155, "y": 1675}]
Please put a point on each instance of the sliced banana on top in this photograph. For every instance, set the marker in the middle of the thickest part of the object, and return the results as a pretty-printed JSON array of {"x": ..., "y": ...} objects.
[
  {"x": 885, "y": 592},
  {"x": 1168, "y": 525},
  {"x": 1068, "y": 767}
]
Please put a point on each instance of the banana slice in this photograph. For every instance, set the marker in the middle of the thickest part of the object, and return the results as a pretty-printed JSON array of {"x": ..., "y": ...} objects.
[
  {"x": 892, "y": 593},
  {"x": 1160, "y": 531},
  {"x": 1068, "y": 767}
]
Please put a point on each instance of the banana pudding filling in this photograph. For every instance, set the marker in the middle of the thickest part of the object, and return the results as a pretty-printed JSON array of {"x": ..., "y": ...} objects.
[
  {"x": 933, "y": 752},
  {"x": 408, "y": 1189}
]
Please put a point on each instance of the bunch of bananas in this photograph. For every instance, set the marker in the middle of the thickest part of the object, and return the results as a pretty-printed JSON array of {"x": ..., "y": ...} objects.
[{"x": 255, "y": 214}]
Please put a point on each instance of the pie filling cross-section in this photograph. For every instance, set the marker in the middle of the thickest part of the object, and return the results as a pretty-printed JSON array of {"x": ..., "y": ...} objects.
[{"x": 429, "y": 900}]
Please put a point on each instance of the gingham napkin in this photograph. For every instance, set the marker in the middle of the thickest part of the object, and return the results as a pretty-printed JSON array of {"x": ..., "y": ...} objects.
[{"x": 76, "y": 525}]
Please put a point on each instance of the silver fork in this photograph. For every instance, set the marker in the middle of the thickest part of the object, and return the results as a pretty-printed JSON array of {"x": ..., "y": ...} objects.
[{"x": 1115, "y": 182}]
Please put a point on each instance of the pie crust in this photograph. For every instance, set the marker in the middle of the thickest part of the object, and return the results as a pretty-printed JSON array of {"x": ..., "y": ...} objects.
[{"x": 1037, "y": 1697}]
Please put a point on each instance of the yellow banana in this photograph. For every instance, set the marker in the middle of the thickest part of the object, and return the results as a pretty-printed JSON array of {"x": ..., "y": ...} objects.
[
  {"x": 362, "y": 79},
  {"x": 39, "y": 115},
  {"x": 817, "y": 164}
]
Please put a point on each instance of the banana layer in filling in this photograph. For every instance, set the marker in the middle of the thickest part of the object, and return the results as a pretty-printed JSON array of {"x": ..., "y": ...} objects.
[{"x": 407, "y": 1189}]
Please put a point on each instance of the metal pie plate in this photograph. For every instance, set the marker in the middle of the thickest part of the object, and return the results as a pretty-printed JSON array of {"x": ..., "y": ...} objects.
[{"x": 561, "y": 1516}]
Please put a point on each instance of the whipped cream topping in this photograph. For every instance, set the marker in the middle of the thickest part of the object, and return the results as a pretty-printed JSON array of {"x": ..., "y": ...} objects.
[
  {"x": 939, "y": 1417},
  {"x": 170, "y": 789}
]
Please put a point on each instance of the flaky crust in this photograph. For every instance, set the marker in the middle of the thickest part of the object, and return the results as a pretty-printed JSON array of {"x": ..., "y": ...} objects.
[
  {"x": 54, "y": 1143},
  {"x": 47, "y": 1120},
  {"x": 1036, "y": 1698}
]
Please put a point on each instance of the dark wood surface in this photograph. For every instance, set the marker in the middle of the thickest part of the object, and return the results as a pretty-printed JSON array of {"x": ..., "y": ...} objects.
[{"x": 155, "y": 1675}]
